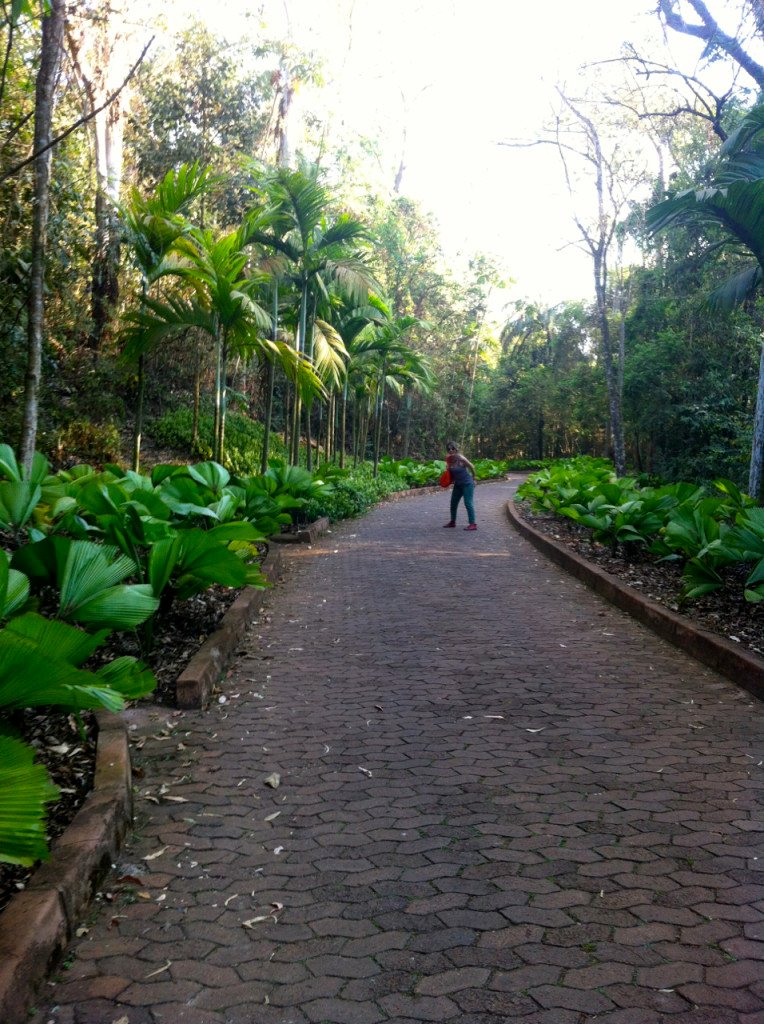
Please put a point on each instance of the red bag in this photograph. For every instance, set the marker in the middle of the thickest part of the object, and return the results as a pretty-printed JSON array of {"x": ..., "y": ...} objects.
[{"x": 445, "y": 478}]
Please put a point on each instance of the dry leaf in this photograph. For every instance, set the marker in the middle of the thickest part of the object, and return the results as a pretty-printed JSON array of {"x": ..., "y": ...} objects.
[
  {"x": 160, "y": 970},
  {"x": 81, "y": 931},
  {"x": 230, "y": 898},
  {"x": 177, "y": 799},
  {"x": 365, "y": 771},
  {"x": 273, "y": 780},
  {"x": 257, "y": 920},
  {"x": 272, "y": 817},
  {"x": 158, "y": 853}
]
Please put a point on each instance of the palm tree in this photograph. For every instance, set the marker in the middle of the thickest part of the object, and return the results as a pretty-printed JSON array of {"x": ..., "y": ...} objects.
[
  {"x": 734, "y": 202},
  {"x": 225, "y": 305},
  {"x": 152, "y": 227},
  {"x": 395, "y": 363},
  {"x": 317, "y": 251}
]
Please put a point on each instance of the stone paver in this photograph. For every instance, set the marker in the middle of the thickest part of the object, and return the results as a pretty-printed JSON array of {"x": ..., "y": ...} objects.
[{"x": 500, "y": 800}]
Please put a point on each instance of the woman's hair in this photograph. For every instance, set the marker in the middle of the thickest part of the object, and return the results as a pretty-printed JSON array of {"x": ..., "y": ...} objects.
[{"x": 452, "y": 444}]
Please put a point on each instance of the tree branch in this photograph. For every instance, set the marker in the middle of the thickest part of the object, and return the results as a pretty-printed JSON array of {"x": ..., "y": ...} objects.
[
  {"x": 710, "y": 32},
  {"x": 82, "y": 120}
]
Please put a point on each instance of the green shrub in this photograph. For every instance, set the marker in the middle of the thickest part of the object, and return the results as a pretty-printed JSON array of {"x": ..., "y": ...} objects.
[
  {"x": 243, "y": 438},
  {"x": 83, "y": 441},
  {"x": 354, "y": 494}
]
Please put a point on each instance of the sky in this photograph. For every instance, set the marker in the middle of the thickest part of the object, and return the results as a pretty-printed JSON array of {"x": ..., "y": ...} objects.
[{"x": 460, "y": 76}]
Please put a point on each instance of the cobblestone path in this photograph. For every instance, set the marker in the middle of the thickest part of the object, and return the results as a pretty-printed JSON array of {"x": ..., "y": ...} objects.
[{"x": 500, "y": 800}]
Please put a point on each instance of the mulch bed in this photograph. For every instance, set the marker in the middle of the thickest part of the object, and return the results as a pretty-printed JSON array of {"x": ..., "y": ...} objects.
[{"x": 725, "y": 611}]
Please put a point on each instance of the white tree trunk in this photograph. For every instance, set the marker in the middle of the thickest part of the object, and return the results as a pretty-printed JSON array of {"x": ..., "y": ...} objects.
[{"x": 50, "y": 60}]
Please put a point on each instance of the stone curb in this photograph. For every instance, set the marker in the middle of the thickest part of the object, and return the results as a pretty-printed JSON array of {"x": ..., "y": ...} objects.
[
  {"x": 196, "y": 681},
  {"x": 716, "y": 652},
  {"x": 38, "y": 923},
  {"x": 309, "y": 535}
]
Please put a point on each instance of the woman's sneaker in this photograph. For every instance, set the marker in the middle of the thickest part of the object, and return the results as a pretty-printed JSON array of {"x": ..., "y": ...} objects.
[
  {"x": 446, "y": 526},
  {"x": 472, "y": 526}
]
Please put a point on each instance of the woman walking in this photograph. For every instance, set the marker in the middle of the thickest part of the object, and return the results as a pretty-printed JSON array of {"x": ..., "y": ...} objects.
[{"x": 463, "y": 478}]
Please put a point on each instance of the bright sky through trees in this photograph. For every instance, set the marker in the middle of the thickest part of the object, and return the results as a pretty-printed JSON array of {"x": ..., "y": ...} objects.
[{"x": 440, "y": 83}]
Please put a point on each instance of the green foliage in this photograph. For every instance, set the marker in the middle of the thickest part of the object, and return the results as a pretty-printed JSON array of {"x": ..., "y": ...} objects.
[
  {"x": 25, "y": 789},
  {"x": 244, "y": 438},
  {"x": 709, "y": 533},
  {"x": 83, "y": 441},
  {"x": 355, "y": 493}
]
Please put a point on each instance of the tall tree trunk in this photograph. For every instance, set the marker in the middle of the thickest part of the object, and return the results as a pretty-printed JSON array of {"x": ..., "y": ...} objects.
[
  {"x": 140, "y": 397},
  {"x": 268, "y": 416},
  {"x": 223, "y": 400},
  {"x": 378, "y": 419},
  {"x": 100, "y": 42},
  {"x": 612, "y": 370},
  {"x": 50, "y": 60},
  {"x": 757, "y": 447},
  {"x": 197, "y": 393},
  {"x": 407, "y": 427},
  {"x": 343, "y": 423}
]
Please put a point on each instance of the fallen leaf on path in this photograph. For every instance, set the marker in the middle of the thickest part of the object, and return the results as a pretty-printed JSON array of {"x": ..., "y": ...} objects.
[
  {"x": 258, "y": 920},
  {"x": 365, "y": 771},
  {"x": 273, "y": 780},
  {"x": 158, "y": 853},
  {"x": 272, "y": 817},
  {"x": 160, "y": 970},
  {"x": 230, "y": 898}
]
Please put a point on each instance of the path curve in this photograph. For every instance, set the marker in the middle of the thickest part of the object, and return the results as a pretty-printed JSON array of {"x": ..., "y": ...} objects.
[{"x": 500, "y": 800}]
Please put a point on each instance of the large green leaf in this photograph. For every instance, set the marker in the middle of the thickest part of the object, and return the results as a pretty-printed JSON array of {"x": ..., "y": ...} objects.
[
  {"x": 18, "y": 499},
  {"x": 89, "y": 570},
  {"x": 9, "y": 467},
  {"x": 29, "y": 678},
  {"x": 56, "y": 639},
  {"x": 211, "y": 474},
  {"x": 25, "y": 789},
  {"x": 120, "y": 607},
  {"x": 14, "y": 588},
  {"x": 129, "y": 677}
]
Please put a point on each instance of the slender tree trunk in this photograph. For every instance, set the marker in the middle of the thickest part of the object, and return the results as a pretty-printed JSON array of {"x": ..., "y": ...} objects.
[
  {"x": 100, "y": 44},
  {"x": 343, "y": 423},
  {"x": 50, "y": 60},
  {"x": 407, "y": 428},
  {"x": 223, "y": 400},
  {"x": 269, "y": 383},
  {"x": 378, "y": 419},
  {"x": 612, "y": 371},
  {"x": 757, "y": 448},
  {"x": 140, "y": 397},
  {"x": 218, "y": 393},
  {"x": 197, "y": 394}
]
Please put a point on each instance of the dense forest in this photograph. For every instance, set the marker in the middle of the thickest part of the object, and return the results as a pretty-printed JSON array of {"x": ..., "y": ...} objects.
[{"x": 178, "y": 274}]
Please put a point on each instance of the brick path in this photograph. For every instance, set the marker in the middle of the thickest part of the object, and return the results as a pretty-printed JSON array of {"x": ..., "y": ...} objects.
[{"x": 500, "y": 800}]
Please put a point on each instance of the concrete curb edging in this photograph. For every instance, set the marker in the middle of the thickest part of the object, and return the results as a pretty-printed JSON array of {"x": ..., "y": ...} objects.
[
  {"x": 309, "y": 535},
  {"x": 38, "y": 923},
  {"x": 716, "y": 652},
  {"x": 194, "y": 684}
]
